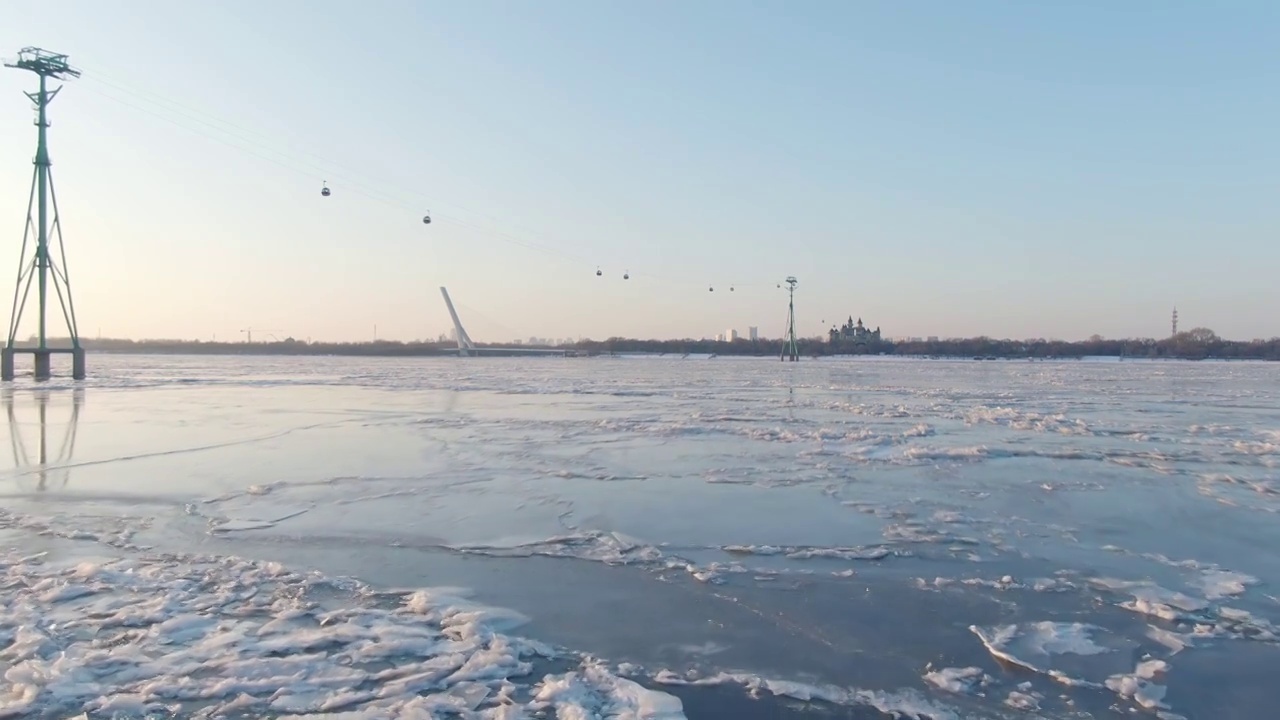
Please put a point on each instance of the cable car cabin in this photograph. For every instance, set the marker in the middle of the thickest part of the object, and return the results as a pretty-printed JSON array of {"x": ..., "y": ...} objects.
[
  {"x": 426, "y": 219},
  {"x": 599, "y": 272},
  {"x": 324, "y": 192},
  {"x": 711, "y": 289},
  {"x": 626, "y": 276}
]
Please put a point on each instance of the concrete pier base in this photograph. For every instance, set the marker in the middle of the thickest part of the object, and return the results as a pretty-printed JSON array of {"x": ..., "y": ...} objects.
[
  {"x": 44, "y": 364},
  {"x": 43, "y": 361}
]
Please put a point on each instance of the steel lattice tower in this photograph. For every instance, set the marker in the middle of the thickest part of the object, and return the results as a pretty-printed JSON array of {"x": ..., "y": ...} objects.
[
  {"x": 790, "y": 349},
  {"x": 41, "y": 265}
]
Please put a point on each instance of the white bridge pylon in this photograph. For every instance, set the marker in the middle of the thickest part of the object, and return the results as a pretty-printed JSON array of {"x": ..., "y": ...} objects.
[{"x": 465, "y": 346}]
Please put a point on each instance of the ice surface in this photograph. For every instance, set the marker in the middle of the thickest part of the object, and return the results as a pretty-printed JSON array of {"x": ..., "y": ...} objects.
[
  {"x": 206, "y": 636},
  {"x": 903, "y": 703},
  {"x": 834, "y": 526},
  {"x": 956, "y": 680},
  {"x": 1218, "y": 584},
  {"x": 1138, "y": 686},
  {"x": 595, "y": 692},
  {"x": 1023, "y": 701},
  {"x": 1033, "y": 645}
]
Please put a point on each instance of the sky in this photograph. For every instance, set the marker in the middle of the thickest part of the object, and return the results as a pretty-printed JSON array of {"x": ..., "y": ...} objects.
[{"x": 999, "y": 168}]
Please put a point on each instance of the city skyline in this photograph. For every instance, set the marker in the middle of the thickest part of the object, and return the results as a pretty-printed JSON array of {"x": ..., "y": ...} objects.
[
  {"x": 953, "y": 171},
  {"x": 449, "y": 334},
  {"x": 753, "y": 333}
]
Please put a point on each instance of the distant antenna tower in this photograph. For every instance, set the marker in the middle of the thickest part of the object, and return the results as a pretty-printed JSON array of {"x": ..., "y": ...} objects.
[
  {"x": 1175, "y": 319},
  {"x": 790, "y": 349},
  {"x": 41, "y": 265}
]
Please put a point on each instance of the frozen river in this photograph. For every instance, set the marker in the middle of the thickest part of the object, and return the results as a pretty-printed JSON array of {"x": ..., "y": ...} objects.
[{"x": 642, "y": 538}]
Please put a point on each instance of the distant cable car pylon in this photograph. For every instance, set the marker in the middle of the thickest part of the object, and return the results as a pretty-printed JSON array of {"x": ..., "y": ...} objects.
[{"x": 790, "y": 348}]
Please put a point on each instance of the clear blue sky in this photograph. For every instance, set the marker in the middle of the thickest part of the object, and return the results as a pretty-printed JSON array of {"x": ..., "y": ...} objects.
[{"x": 1015, "y": 169}]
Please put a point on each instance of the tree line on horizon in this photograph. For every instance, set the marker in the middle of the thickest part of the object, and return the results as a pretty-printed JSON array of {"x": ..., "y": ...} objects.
[{"x": 1195, "y": 344}]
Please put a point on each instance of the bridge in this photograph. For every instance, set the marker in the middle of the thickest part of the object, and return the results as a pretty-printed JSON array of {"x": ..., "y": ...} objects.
[{"x": 467, "y": 348}]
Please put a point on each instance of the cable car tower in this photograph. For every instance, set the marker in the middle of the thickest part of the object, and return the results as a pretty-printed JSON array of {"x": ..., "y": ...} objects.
[
  {"x": 41, "y": 266},
  {"x": 790, "y": 349}
]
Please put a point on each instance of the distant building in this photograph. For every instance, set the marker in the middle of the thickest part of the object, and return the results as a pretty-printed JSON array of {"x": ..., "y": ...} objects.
[
  {"x": 731, "y": 335},
  {"x": 753, "y": 333},
  {"x": 719, "y": 337},
  {"x": 855, "y": 333},
  {"x": 933, "y": 338}
]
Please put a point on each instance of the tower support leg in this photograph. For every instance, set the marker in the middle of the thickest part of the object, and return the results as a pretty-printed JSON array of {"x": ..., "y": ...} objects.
[
  {"x": 77, "y": 364},
  {"x": 6, "y": 364},
  {"x": 44, "y": 364}
]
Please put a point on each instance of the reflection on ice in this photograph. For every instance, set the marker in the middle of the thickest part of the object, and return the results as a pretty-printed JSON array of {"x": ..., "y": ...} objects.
[{"x": 48, "y": 469}]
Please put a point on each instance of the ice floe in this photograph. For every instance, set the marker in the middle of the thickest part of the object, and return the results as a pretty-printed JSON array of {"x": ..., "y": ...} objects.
[{"x": 215, "y": 636}]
